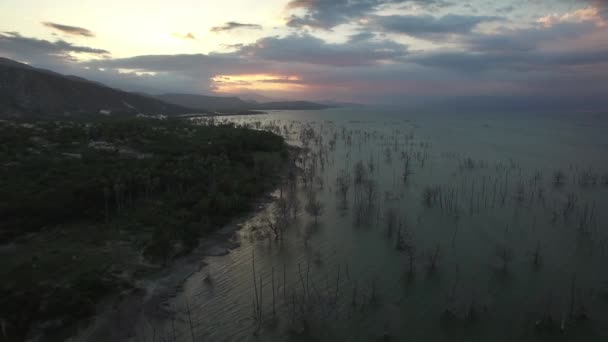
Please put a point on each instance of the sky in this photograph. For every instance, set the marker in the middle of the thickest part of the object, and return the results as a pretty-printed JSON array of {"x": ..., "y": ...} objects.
[{"x": 532, "y": 53}]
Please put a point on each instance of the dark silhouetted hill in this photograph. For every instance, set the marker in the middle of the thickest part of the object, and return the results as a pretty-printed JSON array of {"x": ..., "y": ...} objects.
[{"x": 26, "y": 91}]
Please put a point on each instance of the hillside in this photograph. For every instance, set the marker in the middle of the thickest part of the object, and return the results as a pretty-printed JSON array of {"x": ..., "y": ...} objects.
[{"x": 27, "y": 91}]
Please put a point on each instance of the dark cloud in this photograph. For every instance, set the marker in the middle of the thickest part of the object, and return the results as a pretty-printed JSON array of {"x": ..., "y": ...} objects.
[
  {"x": 71, "y": 30},
  {"x": 311, "y": 50},
  {"x": 360, "y": 37},
  {"x": 229, "y": 26},
  {"x": 529, "y": 49},
  {"x": 516, "y": 40},
  {"x": 326, "y": 14},
  {"x": 295, "y": 48},
  {"x": 459, "y": 60},
  {"x": 25, "y": 48},
  {"x": 427, "y": 26},
  {"x": 215, "y": 62}
]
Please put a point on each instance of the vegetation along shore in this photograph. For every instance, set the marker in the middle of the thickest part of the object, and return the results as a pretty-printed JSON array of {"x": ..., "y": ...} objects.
[{"x": 91, "y": 206}]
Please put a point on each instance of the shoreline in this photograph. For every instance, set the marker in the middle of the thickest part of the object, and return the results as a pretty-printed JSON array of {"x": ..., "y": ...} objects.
[
  {"x": 123, "y": 310},
  {"x": 117, "y": 315},
  {"x": 76, "y": 273}
]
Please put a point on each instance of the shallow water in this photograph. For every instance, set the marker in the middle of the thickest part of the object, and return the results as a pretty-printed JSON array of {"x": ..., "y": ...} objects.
[{"x": 517, "y": 258}]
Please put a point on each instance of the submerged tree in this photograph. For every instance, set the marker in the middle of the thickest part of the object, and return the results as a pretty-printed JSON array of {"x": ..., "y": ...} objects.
[
  {"x": 558, "y": 178},
  {"x": 391, "y": 221},
  {"x": 433, "y": 258},
  {"x": 505, "y": 255},
  {"x": 406, "y": 168},
  {"x": 343, "y": 185},
  {"x": 429, "y": 196},
  {"x": 278, "y": 220},
  {"x": 314, "y": 207},
  {"x": 370, "y": 188},
  {"x": 360, "y": 173},
  {"x": 293, "y": 202}
]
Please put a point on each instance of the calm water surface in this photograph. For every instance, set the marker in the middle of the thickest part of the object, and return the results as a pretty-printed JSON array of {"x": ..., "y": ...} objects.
[{"x": 495, "y": 250}]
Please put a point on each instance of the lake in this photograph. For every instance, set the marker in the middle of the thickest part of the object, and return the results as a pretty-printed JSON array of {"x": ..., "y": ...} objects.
[{"x": 431, "y": 227}]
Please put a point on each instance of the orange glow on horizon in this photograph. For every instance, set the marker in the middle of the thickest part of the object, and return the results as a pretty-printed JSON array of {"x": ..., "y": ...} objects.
[{"x": 264, "y": 82}]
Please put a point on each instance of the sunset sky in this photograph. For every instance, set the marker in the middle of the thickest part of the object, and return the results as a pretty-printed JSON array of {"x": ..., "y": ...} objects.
[{"x": 373, "y": 51}]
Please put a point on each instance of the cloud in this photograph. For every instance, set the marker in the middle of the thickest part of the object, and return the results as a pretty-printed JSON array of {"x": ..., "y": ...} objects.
[
  {"x": 229, "y": 26},
  {"x": 602, "y": 7},
  {"x": 526, "y": 39},
  {"x": 361, "y": 36},
  {"x": 311, "y": 59},
  {"x": 43, "y": 51},
  {"x": 187, "y": 36},
  {"x": 194, "y": 64},
  {"x": 71, "y": 30},
  {"x": 590, "y": 14},
  {"x": 326, "y": 14},
  {"x": 236, "y": 46},
  {"x": 523, "y": 50},
  {"x": 308, "y": 49},
  {"x": 267, "y": 55},
  {"x": 427, "y": 26}
]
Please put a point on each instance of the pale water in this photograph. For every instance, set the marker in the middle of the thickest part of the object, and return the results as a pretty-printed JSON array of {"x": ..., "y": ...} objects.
[{"x": 496, "y": 250}]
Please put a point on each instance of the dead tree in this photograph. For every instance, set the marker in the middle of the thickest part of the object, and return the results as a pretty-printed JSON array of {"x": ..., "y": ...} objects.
[{"x": 314, "y": 207}]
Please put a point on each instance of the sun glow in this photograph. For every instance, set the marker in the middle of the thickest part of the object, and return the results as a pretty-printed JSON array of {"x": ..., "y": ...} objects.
[{"x": 263, "y": 82}]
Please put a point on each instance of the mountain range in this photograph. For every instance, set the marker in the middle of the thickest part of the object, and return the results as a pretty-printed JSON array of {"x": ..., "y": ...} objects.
[
  {"x": 26, "y": 91},
  {"x": 235, "y": 104}
]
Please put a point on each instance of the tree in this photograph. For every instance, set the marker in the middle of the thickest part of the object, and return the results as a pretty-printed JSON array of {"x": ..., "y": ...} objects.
[
  {"x": 279, "y": 219},
  {"x": 343, "y": 185},
  {"x": 558, "y": 178},
  {"x": 314, "y": 207},
  {"x": 293, "y": 202},
  {"x": 370, "y": 192},
  {"x": 360, "y": 173},
  {"x": 391, "y": 221},
  {"x": 406, "y": 169}
]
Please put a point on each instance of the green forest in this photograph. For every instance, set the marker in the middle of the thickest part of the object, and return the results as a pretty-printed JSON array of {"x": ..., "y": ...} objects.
[{"x": 88, "y": 206}]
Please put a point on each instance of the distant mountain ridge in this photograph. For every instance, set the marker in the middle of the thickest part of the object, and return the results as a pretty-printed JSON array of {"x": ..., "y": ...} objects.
[
  {"x": 205, "y": 102},
  {"x": 25, "y": 90},
  {"x": 235, "y": 104},
  {"x": 291, "y": 105}
]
